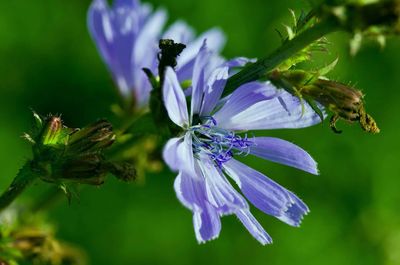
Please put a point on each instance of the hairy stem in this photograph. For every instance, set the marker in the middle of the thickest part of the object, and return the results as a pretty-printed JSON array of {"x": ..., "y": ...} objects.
[
  {"x": 288, "y": 49},
  {"x": 25, "y": 177}
]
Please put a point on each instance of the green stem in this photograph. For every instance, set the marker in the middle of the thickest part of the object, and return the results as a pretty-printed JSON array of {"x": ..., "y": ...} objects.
[
  {"x": 288, "y": 49},
  {"x": 24, "y": 178}
]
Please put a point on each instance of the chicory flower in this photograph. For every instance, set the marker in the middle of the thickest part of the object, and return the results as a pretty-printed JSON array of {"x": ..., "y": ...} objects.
[
  {"x": 127, "y": 34},
  {"x": 211, "y": 140}
]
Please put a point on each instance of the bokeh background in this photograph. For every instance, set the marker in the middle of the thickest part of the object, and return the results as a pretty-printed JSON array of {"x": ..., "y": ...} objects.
[{"x": 49, "y": 63}]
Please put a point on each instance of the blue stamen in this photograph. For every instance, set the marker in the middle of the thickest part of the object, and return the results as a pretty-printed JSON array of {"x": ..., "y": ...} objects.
[{"x": 219, "y": 144}]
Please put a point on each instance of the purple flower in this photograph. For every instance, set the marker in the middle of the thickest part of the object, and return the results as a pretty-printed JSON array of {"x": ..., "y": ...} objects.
[
  {"x": 127, "y": 35},
  {"x": 205, "y": 153}
]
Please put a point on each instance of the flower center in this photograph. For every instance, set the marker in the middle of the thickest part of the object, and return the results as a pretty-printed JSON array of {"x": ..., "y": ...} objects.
[{"x": 219, "y": 144}]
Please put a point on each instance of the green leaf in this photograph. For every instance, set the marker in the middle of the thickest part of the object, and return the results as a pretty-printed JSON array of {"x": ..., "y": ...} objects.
[{"x": 326, "y": 69}]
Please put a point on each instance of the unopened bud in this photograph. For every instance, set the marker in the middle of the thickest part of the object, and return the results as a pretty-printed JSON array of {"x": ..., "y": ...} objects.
[
  {"x": 337, "y": 97},
  {"x": 52, "y": 132},
  {"x": 121, "y": 170},
  {"x": 344, "y": 101},
  {"x": 94, "y": 137},
  {"x": 85, "y": 169}
]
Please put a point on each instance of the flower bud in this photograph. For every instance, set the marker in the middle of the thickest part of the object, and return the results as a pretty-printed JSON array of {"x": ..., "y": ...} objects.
[
  {"x": 121, "y": 170},
  {"x": 48, "y": 136},
  {"x": 92, "y": 169},
  {"x": 83, "y": 160},
  {"x": 338, "y": 98},
  {"x": 62, "y": 154},
  {"x": 85, "y": 169},
  {"x": 52, "y": 131},
  {"x": 344, "y": 101},
  {"x": 92, "y": 138},
  {"x": 48, "y": 132}
]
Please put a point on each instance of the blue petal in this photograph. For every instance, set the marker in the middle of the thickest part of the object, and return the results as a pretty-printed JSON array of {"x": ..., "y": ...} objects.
[
  {"x": 207, "y": 223},
  {"x": 145, "y": 52},
  {"x": 178, "y": 154},
  {"x": 190, "y": 190},
  {"x": 283, "y": 152},
  {"x": 198, "y": 85},
  {"x": 260, "y": 106},
  {"x": 147, "y": 41},
  {"x": 106, "y": 36},
  {"x": 170, "y": 153},
  {"x": 241, "y": 100},
  {"x": 267, "y": 195},
  {"x": 220, "y": 192},
  {"x": 215, "y": 42},
  {"x": 185, "y": 154},
  {"x": 174, "y": 99},
  {"x": 126, "y": 36},
  {"x": 214, "y": 89},
  {"x": 180, "y": 32},
  {"x": 185, "y": 71},
  {"x": 253, "y": 226},
  {"x": 127, "y": 3},
  {"x": 239, "y": 62}
]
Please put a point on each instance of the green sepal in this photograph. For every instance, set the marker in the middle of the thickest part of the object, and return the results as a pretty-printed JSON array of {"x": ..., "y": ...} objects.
[
  {"x": 313, "y": 104},
  {"x": 38, "y": 122},
  {"x": 328, "y": 68}
]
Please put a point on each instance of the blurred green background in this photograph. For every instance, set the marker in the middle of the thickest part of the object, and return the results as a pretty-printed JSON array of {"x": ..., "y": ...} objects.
[{"x": 49, "y": 63}]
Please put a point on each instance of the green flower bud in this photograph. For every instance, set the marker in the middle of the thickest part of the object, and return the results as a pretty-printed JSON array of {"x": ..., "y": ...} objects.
[
  {"x": 52, "y": 133},
  {"x": 85, "y": 169},
  {"x": 48, "y": 136}
]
